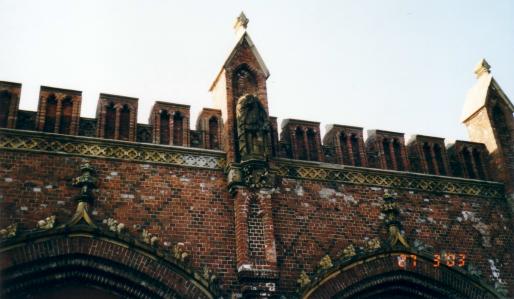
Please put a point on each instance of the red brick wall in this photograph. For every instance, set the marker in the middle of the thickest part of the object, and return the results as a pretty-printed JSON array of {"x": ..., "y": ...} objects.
[
  {"x": 175, "y": 203},
  {"x": 310, "y": 218}
]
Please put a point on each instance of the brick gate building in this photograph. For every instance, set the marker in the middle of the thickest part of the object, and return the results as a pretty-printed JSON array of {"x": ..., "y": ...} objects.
[{"x": 111, "y": 208}]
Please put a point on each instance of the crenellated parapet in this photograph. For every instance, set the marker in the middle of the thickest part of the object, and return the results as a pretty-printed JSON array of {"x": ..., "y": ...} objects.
[
  {"x": 468, "y": 159},
  {"x": 427, "y": 154},
  {"x": 116, "y": 117},
  {"x": 209, "y": 126},
  {"x": 169, "y": 125},
  {"x": 487, "y": 114},
  {"x": 9, "y": 102},
  {"x": 58, "y": 110},
  {"x": 348, "y": 144},
  {"x": 386, "y": 150},
  {"x": 303, "y": 138}
]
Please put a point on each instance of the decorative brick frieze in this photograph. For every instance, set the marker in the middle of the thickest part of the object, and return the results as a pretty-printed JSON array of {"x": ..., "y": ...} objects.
[
  {"x": 387, "y": 179},
  {"x": 386, "y": 150},
  {"x": 428, "y": 155},
  {"x": 89, "y": 147},
  {"x": 303, "y": 137},
  {"x": 9, "y": 103},
  {"x": 170, "y": 123},
  {"x": 59, "y": 110},
  {"x": 116, "y": 117}
]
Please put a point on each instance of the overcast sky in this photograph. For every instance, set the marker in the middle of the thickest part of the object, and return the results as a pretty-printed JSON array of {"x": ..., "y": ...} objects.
[{"x": 394, "y": 65}]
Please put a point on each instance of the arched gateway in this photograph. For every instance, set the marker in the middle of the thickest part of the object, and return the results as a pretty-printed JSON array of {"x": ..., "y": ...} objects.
[
  {"x": 81, "y": 262},
  {"x": 250, "y": 210},
  {"x": 395, "y": 275}
]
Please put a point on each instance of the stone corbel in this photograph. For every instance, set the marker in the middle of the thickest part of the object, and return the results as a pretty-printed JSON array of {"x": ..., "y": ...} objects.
[{"x": 253, "y": 174}]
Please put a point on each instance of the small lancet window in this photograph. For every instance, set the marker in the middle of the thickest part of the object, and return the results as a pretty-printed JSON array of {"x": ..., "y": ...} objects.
[
  {"x": 398, "y": 154},
  {"x": 439, "y": 159},
  {"x": 110, "y": 121},
  {"x": 5, "y": 105},
  {"x": 300, "y": 144},
  {"x": 387, "y": 153},
  {"x": 50, "y": 114},
  {"x": 466, "y": 155},
  {"x": 124, "y": 123},
  {"x": 343, "y": 140},
  {"x": 477, "y": 157},
  {"x": 427, "y": 153},
  {"x": 313, "y": 149},
  {"x": 66, "y": 115},
  {"x": 164, "y": 128},
  {"x": 213, "y": 133},
  {"x": 178, "y": 128},
  {"x": 356, "y": 150}
]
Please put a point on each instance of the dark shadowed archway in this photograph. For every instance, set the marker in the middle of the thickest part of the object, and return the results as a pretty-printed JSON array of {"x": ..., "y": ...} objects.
[
  {"x": 99, "y": 264},
  {"x": 379, "y": 276}
]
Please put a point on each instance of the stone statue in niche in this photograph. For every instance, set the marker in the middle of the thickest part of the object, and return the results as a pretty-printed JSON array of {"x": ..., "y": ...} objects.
[{"x": 253, "y": 128}]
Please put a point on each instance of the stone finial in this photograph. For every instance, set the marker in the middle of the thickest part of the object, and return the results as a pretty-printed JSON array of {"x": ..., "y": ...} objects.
[
  {"x": 241, "y": 24},
  {"x": 482, "y": 67}
]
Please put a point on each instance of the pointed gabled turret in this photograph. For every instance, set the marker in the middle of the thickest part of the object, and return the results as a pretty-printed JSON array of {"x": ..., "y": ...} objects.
[
  {"x": 488, "y": 116},
  {"x": 478, "y": 95},
  {"x": 243, "y": 73}
]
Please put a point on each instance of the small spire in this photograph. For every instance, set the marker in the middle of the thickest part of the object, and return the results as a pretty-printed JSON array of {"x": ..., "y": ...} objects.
[
  {"x": 482, "y": 67},
  {"x": 241, "y": 24}
]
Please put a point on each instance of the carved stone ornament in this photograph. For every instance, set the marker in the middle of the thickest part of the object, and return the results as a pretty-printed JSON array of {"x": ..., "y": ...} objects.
[
  {"x": 208, "y": 275},
  {"x": 86, "y": 182},
  {"x": 113, "y": 225},
  {"x": 348, "y": 252},
  {"x": 392, "y": 213},
  {"x": 256, "y": 175},
  {"x": 253, "y": 128},
  {"x": 47, "y": 223},
  {"x": 303, "y": 280},
  {"x": 9, "y": 231},
  {"x": 179, "y": 252},
  {"x": 149, "y": 238},
  {"x": 373, "y": 244},
  {"x": 325, "y": 263}
]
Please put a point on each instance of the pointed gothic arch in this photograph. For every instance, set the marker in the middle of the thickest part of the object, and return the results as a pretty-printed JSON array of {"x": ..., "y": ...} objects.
[
  {"x": 50, "y": 113},
  {"x": 164, "y": 126},
  {"x": 66, "y": 115},
  {"x": 378, "y": 275},
  {"x": 96, "y": 258}
]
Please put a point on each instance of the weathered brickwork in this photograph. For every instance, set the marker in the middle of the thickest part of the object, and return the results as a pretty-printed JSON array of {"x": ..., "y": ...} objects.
[{"x": 230, "y": 210}]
